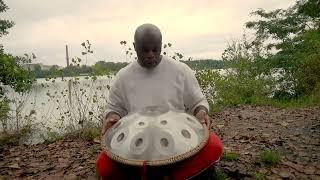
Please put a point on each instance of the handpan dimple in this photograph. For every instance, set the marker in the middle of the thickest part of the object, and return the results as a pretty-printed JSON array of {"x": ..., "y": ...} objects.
[
  {"x": 120, "y": 137},
  {"x": 141, "y": 123},
  {"x": 164, "y": 122},
  {"x": 189, "y": 119},
  {"x": 185, "y": 133},
  {"x": 164, "y": 142},
  {"x": 139, "y": 142}
]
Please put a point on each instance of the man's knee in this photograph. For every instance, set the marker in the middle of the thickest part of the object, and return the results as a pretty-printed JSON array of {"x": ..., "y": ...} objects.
[
  {"x": 103, "y": 164},
  {"x": 214, "y": 148}
]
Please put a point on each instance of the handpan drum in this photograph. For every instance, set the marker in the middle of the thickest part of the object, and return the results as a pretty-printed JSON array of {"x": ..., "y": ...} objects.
[{"x": 154, "y": 138}]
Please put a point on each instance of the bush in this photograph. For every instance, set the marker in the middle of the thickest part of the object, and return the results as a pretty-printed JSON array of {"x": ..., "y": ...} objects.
[
  {"x": 229, "y": 156},
  {"x": 270, "y": 158},
  {"x": 233, "y": 89},
  {"x": 4, "y": 109},
  {"x": 15, "y": 137}
]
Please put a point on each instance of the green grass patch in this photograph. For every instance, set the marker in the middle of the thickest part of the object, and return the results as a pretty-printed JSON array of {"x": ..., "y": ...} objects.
[
  {"x": 220, "y": 175},
  {"x": 90, "y": 133},
  {"x": 14, "y": 138},
  {"x": 270, "y": 158},
  {"x": 259, "y": 176},
  {"x": 229, "y": 156},
  {"x": 50, "y": 136}
]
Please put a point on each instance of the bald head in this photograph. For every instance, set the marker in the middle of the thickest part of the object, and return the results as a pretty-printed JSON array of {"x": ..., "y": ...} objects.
[
  {"x": 147, "y": 44},
  {"x": 147, "y": 30}
]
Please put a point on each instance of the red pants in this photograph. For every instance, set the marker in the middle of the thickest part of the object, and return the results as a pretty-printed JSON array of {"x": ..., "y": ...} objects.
[{"x": 211, "y": 153}]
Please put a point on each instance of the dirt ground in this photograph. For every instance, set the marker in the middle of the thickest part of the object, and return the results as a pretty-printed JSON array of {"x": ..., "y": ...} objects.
[{"x": 244, "y": 130}]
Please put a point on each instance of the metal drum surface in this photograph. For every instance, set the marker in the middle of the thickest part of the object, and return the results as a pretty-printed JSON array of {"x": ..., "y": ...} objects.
[{"x": 155, "y": 138}]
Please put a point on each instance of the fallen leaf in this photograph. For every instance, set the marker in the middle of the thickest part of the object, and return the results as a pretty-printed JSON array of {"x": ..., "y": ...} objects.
[
  {"x": 285, "y": 124},
  {"x": 284, "y": 174},
  {"x": 220, "y": 126},
  {"x": 97, "y": 140},
  {"x": 309, "y": 170},
  {"x": 14, "y": 166}
]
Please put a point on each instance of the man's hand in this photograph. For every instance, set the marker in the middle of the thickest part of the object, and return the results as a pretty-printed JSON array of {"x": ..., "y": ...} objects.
[
  {"x": 109, "y": 121},
  {"x": 203, "y": 118}
]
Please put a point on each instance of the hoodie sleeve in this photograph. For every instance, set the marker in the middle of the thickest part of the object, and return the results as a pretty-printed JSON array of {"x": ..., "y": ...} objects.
[
  {"x": 193, "y": 96},
  {"x": 116, "y": 102}
]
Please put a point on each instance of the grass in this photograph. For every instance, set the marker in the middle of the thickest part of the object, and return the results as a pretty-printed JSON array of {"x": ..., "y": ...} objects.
[
  {"x": 229, "y": 156},
  {"x": 88, "y": 133},
  {"x": 220, "y": 175},
  {"x": 51, "y": 136},
  {"x": 14, "y": 138},
  {"x": 302, "y": 102},
  {"x": 270, "y": 158},
  {"x": 259, "y": 176}
]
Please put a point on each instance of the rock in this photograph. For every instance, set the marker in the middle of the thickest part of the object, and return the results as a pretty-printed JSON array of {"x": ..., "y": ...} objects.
[
  {"x": 263, "y": 171},
  {"x": 284, "y": 124},
  {"x": 14, "y": 166},
  {"x": 251, "y": 128},
  {"x": 275, "y": 171},
  {"x": 284, "y": 174},
  {"x": 97, "y": 140},
  {"x": 71, "y": 177},
  {"x": 309, "y": 170}
]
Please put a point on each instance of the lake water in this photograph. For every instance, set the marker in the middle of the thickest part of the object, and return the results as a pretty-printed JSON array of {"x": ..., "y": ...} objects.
[{"x": 48, "y": 103}]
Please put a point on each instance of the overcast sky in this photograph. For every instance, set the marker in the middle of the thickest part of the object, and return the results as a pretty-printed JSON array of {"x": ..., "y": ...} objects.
[{"x": 198, "y": 28}]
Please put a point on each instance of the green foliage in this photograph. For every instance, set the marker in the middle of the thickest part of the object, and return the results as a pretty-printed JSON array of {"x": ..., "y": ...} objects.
[
  {"x": 90, "y": 132},
  {"x": 101, "y": 68},
  {"x": 14, "y": 137},
  {"x": 307, "y": 57},
  {"x": 229, "y": 156},
  {"x": 204, "y": 64},
  {"x": 4, "y": 110},
  {"x": 259, "y": 176},
  {"x": 294, "y": 34},
  {"x": 12, "y": 73},
  {"x": 50, "y": 136},
  {"x": 105, "y": 68},
  {"x": 4, "y": 24},
  {"x": 270, "y": 158},
  {"x": 220, "y": 175},
  {"x": 280, "y": 66},
  {"x": 247, "y": 78}
]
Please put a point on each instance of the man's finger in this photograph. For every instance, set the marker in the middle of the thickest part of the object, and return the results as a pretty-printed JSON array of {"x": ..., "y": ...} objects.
[
  {"x": 103, "y": 130},
  {"x": 208, "y": 123},
  {"x": 112, "y": 120}
]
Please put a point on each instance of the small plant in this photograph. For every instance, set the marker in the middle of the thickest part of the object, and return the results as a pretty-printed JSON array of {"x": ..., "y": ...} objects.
[
  {"x": 259, "y": 176},
  {"x": 14, "y": 137},
  {"x": 229, "y": 156},
  {"x": 90, "y": 133},
  {"x": 51, "y": 136},
  {"x": 270, "y": 158},
  {"x": 220, "y": 175}
]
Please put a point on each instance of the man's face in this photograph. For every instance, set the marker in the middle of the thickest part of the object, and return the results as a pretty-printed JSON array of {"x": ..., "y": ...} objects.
[{"x": 148, "y": 50}]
